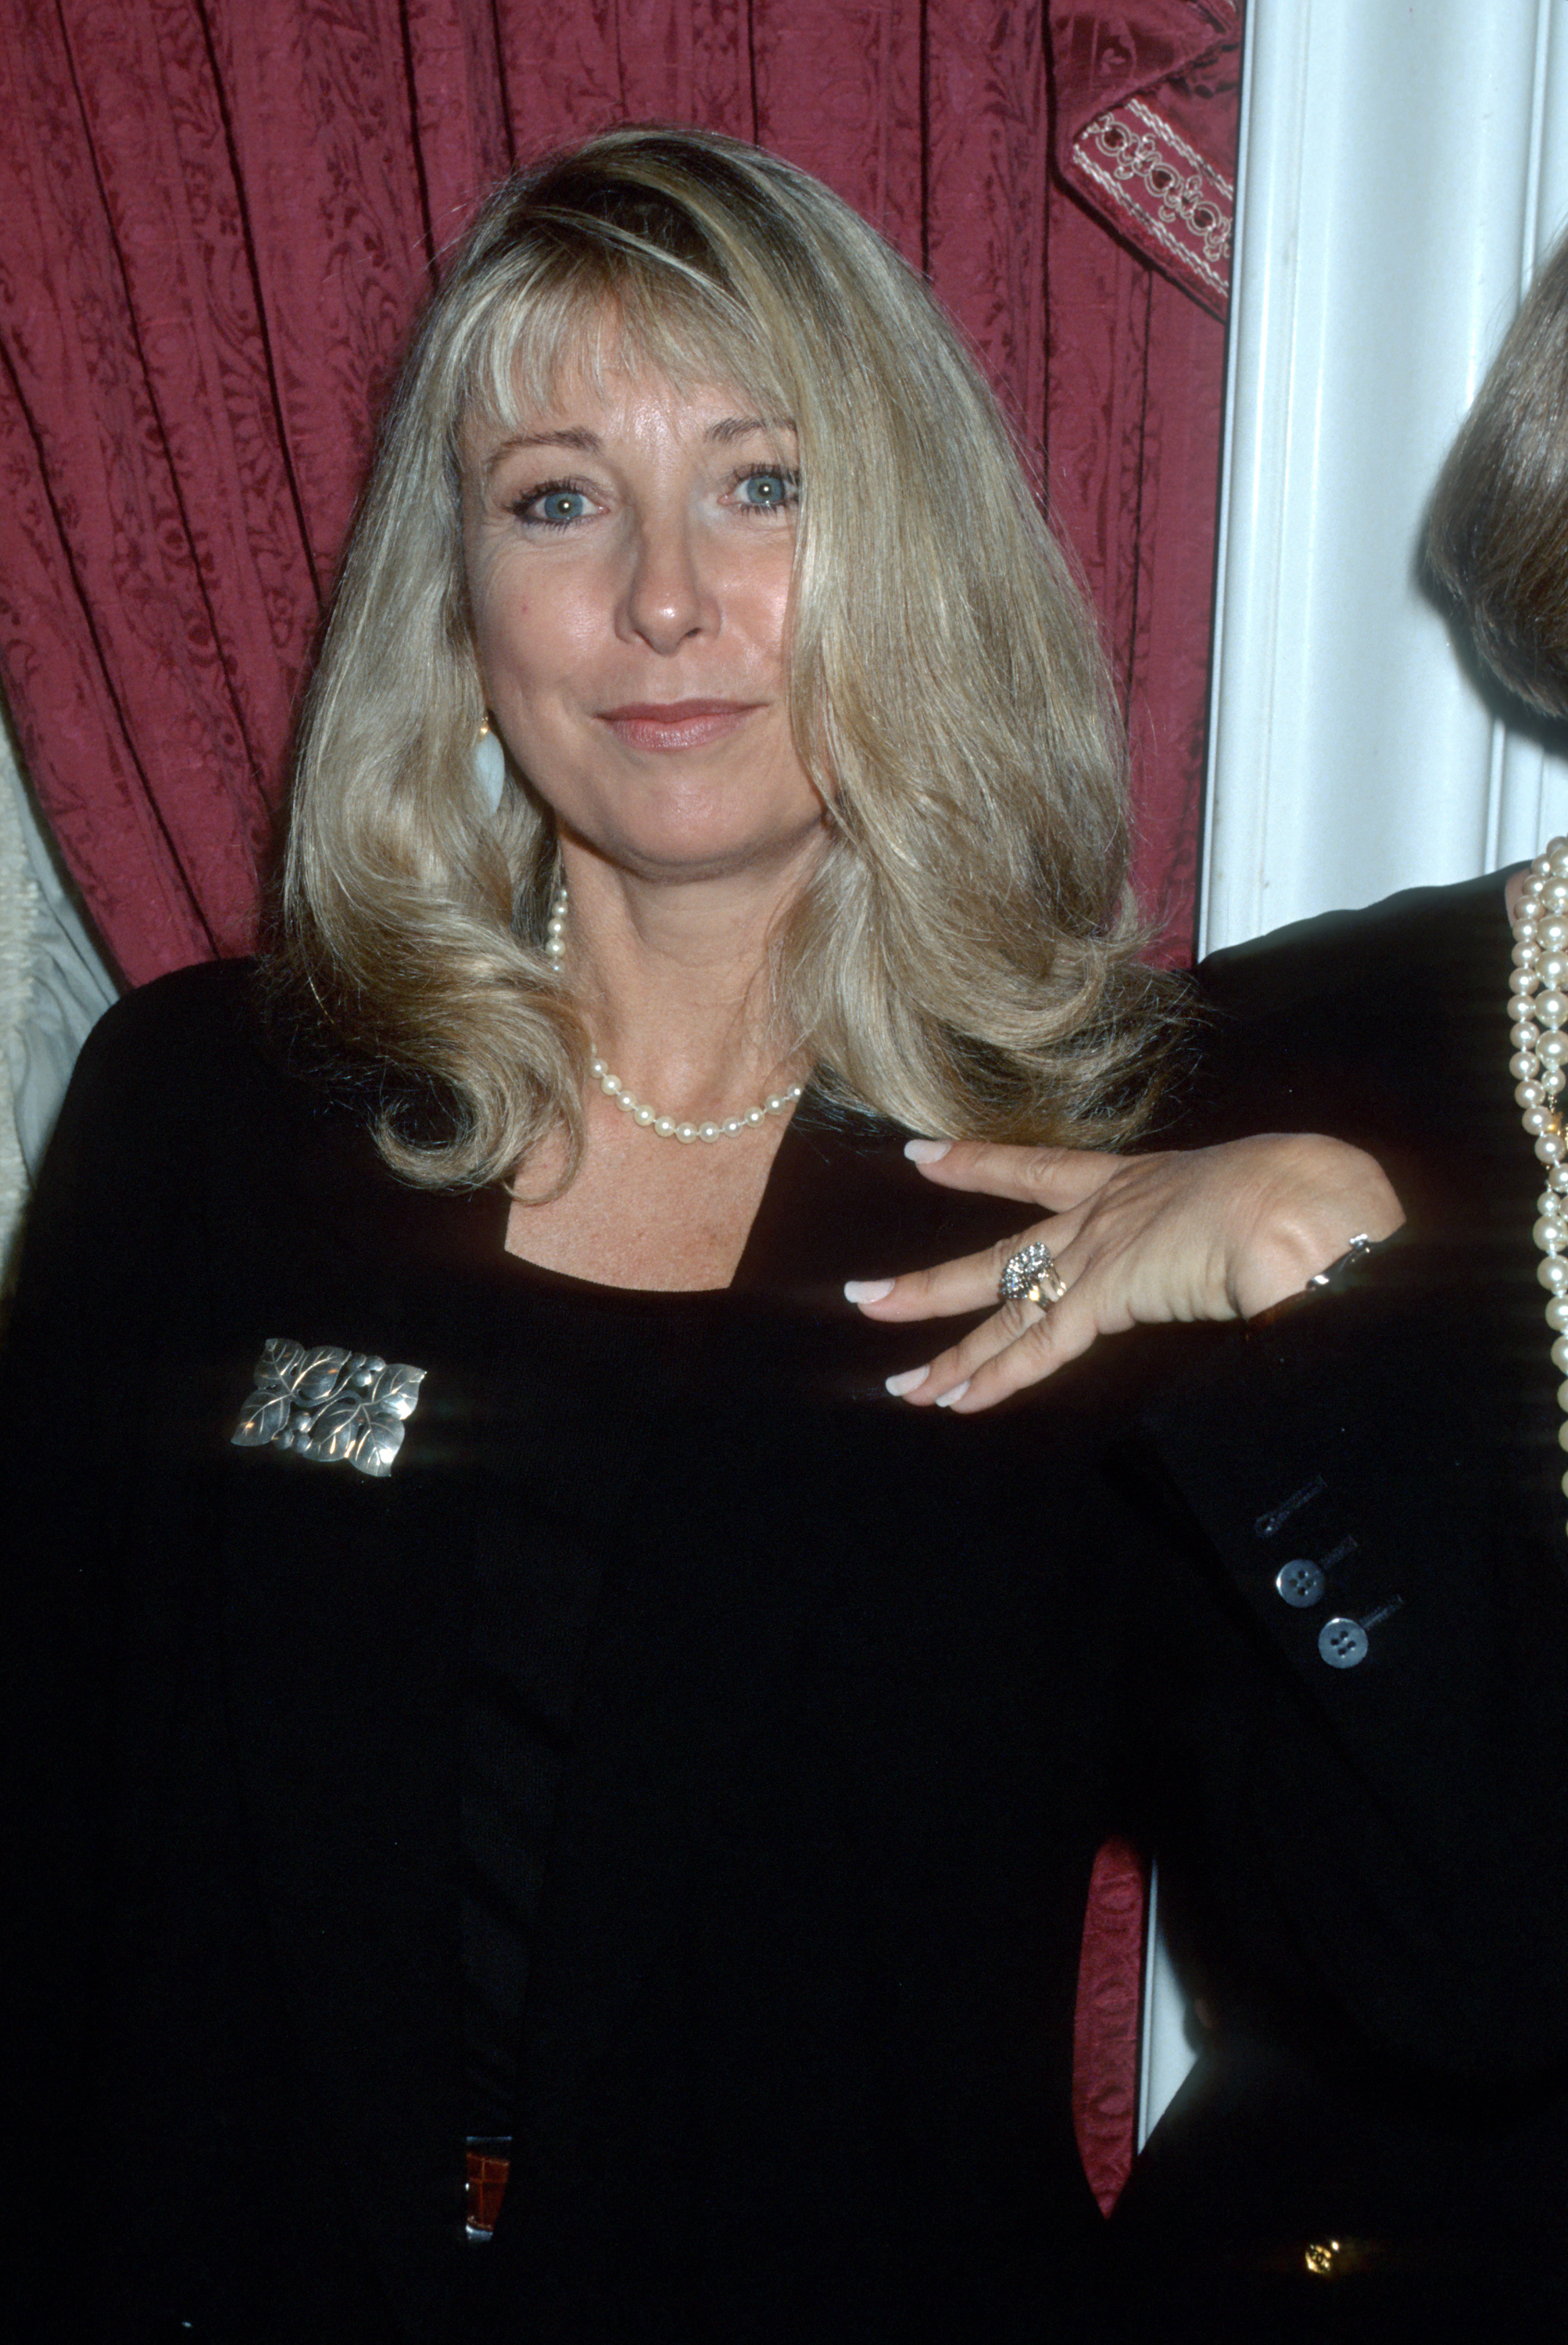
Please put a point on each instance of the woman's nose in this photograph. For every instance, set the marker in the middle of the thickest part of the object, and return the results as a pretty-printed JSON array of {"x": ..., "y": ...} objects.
[{"x": 668, "y": 594}]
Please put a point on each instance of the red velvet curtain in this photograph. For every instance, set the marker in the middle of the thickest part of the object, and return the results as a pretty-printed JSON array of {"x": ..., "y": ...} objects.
[{"x": 219, "y": 216}]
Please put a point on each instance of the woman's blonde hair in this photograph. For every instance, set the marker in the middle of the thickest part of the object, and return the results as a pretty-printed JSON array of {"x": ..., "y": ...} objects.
[{"x": 963, "y": 959}]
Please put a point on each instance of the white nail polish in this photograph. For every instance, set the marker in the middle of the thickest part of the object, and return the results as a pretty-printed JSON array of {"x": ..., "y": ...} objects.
[
  {"x": 867, "y": 1290},
  {"x": 946, "y": 1399},
  {"x": 926, "y": 1152},
  {"x": 909, "y": 1381}
]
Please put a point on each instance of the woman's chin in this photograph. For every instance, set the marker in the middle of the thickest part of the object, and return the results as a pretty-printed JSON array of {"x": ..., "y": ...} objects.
[{"x": 678, "y": 857}]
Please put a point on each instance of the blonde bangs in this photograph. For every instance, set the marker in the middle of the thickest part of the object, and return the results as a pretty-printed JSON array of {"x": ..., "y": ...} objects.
[{"x": 589, "y": 316}]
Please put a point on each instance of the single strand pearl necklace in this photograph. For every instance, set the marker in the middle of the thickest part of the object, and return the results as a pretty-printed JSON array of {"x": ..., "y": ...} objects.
[
  {"x": 1538, "y": 1005},
  {"x": 639, "y": 1110}
]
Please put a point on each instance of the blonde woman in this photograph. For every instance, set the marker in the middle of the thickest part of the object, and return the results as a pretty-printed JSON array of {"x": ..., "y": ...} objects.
[{"x": 510, "y": 1671}]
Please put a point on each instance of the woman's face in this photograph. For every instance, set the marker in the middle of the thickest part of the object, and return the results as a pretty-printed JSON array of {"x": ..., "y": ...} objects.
[{"x": 628, "y": 551}]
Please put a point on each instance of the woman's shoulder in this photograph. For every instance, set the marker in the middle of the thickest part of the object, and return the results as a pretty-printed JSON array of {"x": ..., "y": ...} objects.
[
  {"x": 202, "y": 1011},
  {"x": 197, "y": 1067},
  {"x": 173, "y": 1045},
  {"x": 1457, "y": 935},
  {"x": 1384, "y": 1027}
]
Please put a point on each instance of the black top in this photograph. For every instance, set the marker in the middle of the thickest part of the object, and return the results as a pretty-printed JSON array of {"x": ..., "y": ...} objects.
[
  {"x": 860, "y": 1691},
  {"x": 536, "y": 1576},
  {"x": 534, "y": 1588},
  {"x": 839, "y": 1197}
]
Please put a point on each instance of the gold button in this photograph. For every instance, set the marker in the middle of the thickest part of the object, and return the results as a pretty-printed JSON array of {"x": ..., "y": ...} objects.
[{"x": 1320, "y": 2257}]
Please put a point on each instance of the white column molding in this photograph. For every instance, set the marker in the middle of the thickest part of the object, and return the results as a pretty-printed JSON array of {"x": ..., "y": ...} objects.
[{"x": 1402, "y": 168}]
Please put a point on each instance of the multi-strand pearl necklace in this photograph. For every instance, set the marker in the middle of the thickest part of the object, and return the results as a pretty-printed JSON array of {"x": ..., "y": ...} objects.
[
  {"x": 640, "y": 1111},
  {"x": 1538, "y": 1006}
]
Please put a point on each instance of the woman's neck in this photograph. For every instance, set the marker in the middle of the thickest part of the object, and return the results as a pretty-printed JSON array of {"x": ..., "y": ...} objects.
[
  {"x": 673, "y": 979},
  {"x": 673, "y": 982}
]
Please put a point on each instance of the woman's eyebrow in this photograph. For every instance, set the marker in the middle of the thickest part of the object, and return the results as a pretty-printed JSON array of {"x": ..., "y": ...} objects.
[
  {"x": 587, "y": 443},
  {"x": 741, "y": 427},
  {"x": 570, "y": 435}
]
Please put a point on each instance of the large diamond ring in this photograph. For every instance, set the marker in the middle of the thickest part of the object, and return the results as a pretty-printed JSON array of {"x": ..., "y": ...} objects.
[{"x": 1031, "y": 1275}]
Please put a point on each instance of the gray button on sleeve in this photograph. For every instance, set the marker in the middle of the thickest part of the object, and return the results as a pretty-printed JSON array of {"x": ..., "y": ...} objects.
[
  {"x": 1300, "y": 1583},
  {"x": 1342, "y": 1644}
]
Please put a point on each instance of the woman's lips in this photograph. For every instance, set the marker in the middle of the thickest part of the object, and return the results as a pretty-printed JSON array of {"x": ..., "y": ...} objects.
[{"x": 676, "y": 723}]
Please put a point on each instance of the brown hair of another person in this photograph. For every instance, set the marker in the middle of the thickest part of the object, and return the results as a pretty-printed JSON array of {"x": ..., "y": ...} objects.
[{"x": 1498, "y": 533}]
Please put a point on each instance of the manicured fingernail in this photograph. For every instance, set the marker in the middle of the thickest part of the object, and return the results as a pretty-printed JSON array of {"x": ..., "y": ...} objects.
[
  {"x": 867, "y": 1290},
  {"x": 926, "y": 1152},
  {"x": 908, "y": 1382},
  {"x": 946, "y": 1399}
]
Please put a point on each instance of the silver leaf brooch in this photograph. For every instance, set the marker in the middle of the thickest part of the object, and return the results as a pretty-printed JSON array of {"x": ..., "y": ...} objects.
[{"x": 328, "y": 1404}]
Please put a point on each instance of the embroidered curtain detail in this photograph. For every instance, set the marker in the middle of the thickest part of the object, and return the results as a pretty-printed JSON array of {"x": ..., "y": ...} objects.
[{"x": 1145, "y": 129}]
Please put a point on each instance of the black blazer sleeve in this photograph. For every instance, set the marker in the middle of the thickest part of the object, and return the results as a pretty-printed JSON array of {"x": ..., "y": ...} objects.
[
  {"x": 1370, "y": 1483},
  {"x": 96, "y": 1319}
]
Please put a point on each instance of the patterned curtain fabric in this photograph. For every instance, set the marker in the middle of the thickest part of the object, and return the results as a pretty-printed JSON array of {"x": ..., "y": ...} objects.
[{"x": 219, "y": 216}]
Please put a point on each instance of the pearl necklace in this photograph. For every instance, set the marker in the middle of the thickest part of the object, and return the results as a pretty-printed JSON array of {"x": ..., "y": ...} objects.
[
  {"x": 1538, "y": 1006},
  {"x": 640, "y": 1110}
]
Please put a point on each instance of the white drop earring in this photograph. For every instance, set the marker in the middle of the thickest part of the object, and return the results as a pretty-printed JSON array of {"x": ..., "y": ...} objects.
[{"x": 489, "y": 767}]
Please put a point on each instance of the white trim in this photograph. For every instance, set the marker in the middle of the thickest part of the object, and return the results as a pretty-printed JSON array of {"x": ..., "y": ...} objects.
[{"x": 1400, "y": 174}]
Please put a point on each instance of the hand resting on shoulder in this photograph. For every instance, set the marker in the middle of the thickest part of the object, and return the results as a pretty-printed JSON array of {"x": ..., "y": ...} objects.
[{"x": 1220, "y": 1233}]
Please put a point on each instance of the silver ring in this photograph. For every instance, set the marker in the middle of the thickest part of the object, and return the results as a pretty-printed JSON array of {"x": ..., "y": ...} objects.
[{"x": 1031, "y": 1275}]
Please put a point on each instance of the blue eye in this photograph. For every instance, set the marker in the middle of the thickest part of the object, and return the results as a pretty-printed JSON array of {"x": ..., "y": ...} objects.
[
  {"x": 768, "y": 489},
  {"x": 556, "y": 507}
]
